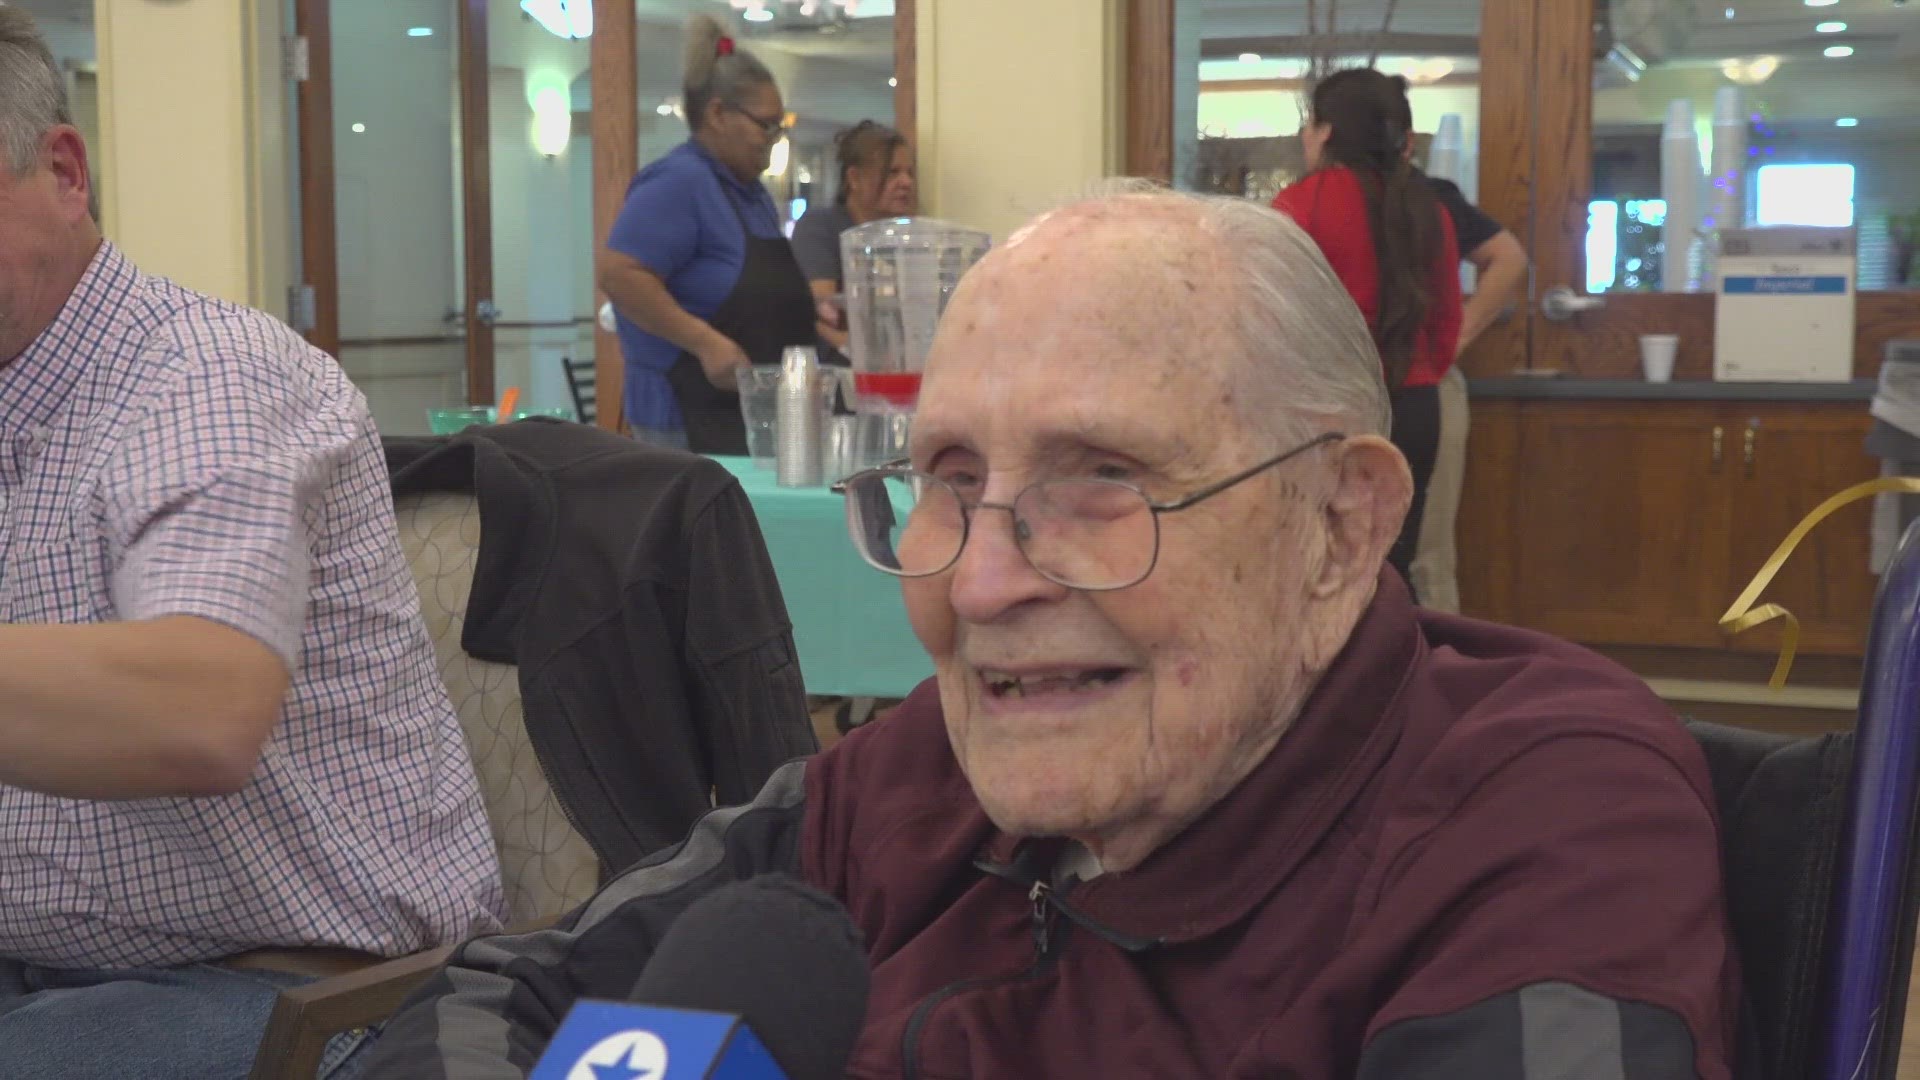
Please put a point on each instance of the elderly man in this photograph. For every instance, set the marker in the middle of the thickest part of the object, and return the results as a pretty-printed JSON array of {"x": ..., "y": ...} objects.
[
  {"x": 1197, "y": 791},
  {"x": 225, "y": 752}
]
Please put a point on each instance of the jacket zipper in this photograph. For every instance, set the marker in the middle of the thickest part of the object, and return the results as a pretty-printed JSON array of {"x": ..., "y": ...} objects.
[{"x": 1044, "y": 953}]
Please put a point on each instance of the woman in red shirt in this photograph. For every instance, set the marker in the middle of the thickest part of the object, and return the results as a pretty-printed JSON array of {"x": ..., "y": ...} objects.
[{"x": 1383, "y": 230}]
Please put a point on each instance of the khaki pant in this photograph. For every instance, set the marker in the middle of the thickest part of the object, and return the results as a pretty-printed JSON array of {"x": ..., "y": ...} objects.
[{"x": 1435, "y": 564}]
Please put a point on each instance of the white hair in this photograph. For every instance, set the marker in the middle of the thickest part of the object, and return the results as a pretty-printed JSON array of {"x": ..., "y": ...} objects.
[
  {"x": 33, "y": 94},
  {"x": 1311, "y": 363}
]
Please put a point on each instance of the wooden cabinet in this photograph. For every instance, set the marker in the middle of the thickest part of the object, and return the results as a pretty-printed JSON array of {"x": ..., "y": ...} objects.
[
  {"x": 1801, "y": 457},
  {"x": 1638, "y": 522}
]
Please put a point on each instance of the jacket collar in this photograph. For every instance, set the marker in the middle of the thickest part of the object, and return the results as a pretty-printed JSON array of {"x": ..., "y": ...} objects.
[{"x": 1223, "y": 866}]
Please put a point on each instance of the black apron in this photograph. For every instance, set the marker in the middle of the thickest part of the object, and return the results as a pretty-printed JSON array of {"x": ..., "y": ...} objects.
[{"x": 770, "y": 308}]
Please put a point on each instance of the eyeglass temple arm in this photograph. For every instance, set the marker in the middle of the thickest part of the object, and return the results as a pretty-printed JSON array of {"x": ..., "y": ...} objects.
[
  {"x": 894, "y": 466},
  {"x": 1210, "y": 491}
]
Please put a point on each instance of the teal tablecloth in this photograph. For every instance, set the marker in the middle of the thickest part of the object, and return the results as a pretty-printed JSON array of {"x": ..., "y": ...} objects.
[{"x": 848, "y": 618}]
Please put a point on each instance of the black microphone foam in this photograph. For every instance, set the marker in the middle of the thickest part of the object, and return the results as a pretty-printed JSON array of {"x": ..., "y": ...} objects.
[{"x": 781, "y": 955}]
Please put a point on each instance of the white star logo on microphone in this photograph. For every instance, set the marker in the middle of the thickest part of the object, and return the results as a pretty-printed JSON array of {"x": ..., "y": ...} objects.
[{"x": 628, "y": 1055}]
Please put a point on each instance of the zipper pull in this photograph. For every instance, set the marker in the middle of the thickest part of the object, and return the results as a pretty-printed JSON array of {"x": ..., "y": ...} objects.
[{"x": 1042, "y": 916}]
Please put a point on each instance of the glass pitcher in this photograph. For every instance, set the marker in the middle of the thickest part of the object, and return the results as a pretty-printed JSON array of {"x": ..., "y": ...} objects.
[{"x": 900, "y": 273}]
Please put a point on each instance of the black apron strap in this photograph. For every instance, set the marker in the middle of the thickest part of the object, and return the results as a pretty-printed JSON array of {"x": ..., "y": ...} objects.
[{"x": 770, "y": 307}]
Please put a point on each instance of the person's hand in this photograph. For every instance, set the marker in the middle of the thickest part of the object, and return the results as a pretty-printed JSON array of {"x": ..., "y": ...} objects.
[
  {"x": 831, "y": 314},
  {"x": 722, "y": 360}
]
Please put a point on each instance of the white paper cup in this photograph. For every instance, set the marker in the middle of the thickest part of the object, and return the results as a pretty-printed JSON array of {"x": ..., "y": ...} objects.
[{"x": 1657, "y": 352}]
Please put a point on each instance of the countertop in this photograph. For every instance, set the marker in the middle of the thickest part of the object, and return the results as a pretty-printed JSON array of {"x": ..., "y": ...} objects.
[{"x": 1573, "y": 389}]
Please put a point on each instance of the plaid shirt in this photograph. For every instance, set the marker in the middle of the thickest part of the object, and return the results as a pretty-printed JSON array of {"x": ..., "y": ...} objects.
[{"x": 163, "y": 453}]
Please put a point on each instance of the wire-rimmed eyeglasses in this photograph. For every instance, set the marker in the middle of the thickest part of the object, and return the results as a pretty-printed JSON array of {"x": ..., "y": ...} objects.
[{"x": 1086, "y": 534}]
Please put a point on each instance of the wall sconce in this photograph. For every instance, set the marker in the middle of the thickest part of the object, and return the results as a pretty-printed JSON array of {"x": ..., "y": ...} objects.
[{"x": 552, "y": 121}]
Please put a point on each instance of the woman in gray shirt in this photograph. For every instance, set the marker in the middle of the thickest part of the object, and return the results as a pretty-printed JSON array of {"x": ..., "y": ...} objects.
[{"x": 876, "y": 181}]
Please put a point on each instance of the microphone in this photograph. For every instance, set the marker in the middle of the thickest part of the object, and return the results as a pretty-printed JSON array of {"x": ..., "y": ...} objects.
[{"x": 764, "y": 979}]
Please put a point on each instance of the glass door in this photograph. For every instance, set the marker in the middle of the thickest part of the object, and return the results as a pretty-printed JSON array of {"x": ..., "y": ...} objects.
[
  {"x": 396, "y": 229},
  {"x": 1233, "y": 87},
  {"x": 540, "y": 176},
  {"x": 1665, "y": 124}
]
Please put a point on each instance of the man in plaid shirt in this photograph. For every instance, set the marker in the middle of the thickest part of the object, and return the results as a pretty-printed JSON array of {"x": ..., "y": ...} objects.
[{"x": 222, "y": 731}]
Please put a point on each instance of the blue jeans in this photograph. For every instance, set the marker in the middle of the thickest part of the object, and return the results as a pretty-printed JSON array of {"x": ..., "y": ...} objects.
[
  {"x": 666, "y": 440},
  {"x": 199, "y": 1022}
]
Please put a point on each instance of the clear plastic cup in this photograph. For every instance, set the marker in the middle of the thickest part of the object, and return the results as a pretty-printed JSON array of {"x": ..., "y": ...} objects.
[{"x": 759, "y": 407}]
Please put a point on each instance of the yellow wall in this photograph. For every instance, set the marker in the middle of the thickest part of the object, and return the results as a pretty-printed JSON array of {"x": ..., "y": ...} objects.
[
  {"x": 192, "y": 151},
  {"x": 1019, "y": 105}
]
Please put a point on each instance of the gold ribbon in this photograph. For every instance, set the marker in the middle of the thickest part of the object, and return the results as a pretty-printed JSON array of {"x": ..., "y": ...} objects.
[{"x": 1744, "y": 616}]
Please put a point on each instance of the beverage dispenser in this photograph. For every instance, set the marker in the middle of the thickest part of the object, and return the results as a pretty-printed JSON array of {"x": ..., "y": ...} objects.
[{"x": 900, "y": 273}]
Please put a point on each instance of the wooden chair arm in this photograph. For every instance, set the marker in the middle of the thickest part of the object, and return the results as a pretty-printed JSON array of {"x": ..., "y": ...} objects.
[{"x": 306, "y": 1018}]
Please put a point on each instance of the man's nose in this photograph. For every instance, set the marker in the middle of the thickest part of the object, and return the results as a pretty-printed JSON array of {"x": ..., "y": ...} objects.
[{"x": 993, "y": 576}]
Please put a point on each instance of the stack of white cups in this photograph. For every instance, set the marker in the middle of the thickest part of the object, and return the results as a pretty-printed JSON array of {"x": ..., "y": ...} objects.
[{"x": 797, "y": 419}]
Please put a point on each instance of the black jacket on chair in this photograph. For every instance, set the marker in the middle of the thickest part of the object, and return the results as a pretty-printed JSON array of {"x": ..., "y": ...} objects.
[{"x": 633, "y": 589}]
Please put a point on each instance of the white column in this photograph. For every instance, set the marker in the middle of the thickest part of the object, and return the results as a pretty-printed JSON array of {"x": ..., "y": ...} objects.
[
  {"x": 1019, "y": 105},
  {"x": 194, "y": 143}
]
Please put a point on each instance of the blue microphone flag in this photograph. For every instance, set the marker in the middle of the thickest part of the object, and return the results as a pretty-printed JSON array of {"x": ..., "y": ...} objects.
[{"x": 610, "y": 1040}]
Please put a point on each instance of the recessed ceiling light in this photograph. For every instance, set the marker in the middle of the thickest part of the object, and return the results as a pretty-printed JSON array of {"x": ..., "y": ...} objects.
[
  {"x": 419, "y": 31},
  {"x": 1249, "y": 57},
  {"x": 1831, "y": 28},
  {"x": 359, "y": 129},
  {"x": 1838, "y": 51},
  {"x": 1729, "y": 13},
  {"x": 665, "y": 108},
  {"x": 1846, "y": 121},
  {"x": 1822, "y": 3},
  {"x": 893, "y": 81},
  {"x": 759, "y": 15}
]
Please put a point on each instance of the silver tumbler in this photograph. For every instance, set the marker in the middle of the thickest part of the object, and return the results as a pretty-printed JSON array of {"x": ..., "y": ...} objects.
[{"x": 797, "y": 419}]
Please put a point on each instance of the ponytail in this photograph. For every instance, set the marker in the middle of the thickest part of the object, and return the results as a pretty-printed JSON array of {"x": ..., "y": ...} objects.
[
  {"x": 1371, "y": 121},
  {"x": 715, "y": 68}
]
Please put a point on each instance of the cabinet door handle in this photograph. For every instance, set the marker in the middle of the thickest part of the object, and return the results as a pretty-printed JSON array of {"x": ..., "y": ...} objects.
[
  {"x": 1719, "y": 441},
  {"x": 1753, "y": 436}
]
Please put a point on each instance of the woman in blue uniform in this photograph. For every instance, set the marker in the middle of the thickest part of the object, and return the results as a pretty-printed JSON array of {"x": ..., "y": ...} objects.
[{"x": 699, "y": 272}]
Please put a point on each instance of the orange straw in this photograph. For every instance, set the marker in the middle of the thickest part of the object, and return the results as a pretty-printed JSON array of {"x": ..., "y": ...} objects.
[{"x": 507, "y": 401}]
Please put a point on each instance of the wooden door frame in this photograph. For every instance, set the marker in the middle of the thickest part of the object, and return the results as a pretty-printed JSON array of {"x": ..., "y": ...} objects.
[
  {"x": 313, "y": 96},
  {"x": 474, "y": 71},
  {"x": 616, "y": 153},
  {"x": 906, "y": 70},
  {"x": 1149, "y": 89},
  {"x": 612, "y": 70},
  {"x": 319, "y": 251}
]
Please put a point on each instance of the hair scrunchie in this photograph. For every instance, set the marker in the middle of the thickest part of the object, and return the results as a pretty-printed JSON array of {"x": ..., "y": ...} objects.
[{"x": 724, "y": 47}]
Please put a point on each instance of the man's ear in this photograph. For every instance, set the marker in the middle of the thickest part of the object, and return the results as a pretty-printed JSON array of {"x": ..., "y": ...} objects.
[
  {"x": 65, "y": 152},
  {"x": 1372, "y": 489}
]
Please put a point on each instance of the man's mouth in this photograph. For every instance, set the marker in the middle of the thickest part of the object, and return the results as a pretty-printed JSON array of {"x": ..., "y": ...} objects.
[{"x": 1005, "y": 685}]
